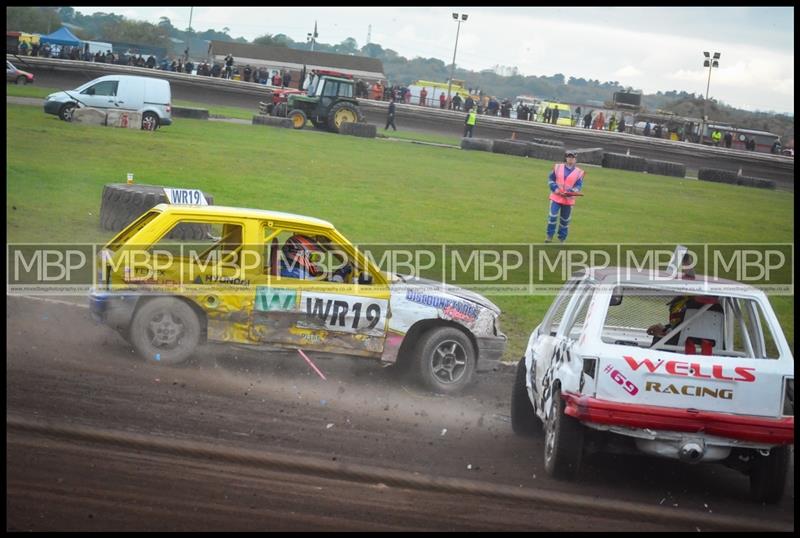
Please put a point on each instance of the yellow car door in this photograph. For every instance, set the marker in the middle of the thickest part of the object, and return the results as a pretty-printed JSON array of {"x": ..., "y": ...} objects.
[{"x": 347, "y": 315}]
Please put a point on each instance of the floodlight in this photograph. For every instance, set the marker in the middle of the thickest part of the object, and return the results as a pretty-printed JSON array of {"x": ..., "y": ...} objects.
[
  {"x": 455, "y": 16},
  {"x": 706, "y": 54},
  {"x": 716, "y": 55},
  {"x": 464, "y": 17}
]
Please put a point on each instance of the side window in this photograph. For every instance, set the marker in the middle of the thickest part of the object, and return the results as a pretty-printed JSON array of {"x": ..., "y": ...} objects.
[
  {"x": 345, "y": 90},
  {"x": 638, "y": 309},
  {"x": 307, "y": 256},
  {"x": 330, "y": 89},
  {"x": 106, "y": 87},
  {"x": 752, "y": 336},
  {"x": 575, "y": 325},
  {"x": 554, "y": 316},
  {"x": 201, "y": 241}
]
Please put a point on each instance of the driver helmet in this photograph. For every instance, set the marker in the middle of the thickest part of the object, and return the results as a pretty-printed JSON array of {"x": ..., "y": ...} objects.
[{"x": 298, "y": 251}]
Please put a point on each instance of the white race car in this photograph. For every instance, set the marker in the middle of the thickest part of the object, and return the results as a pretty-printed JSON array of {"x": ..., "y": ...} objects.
[{"x": 664, "y": 366}]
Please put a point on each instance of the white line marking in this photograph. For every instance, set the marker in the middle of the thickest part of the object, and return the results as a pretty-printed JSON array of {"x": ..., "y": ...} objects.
[{"x": 55, "y": 301}]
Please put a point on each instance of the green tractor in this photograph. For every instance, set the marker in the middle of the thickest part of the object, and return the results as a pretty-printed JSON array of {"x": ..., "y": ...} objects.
[{"x": 328, "y": 103}]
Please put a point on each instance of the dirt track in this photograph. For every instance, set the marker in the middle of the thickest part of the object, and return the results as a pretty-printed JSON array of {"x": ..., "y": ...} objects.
[{"x": 65, "y": 371}]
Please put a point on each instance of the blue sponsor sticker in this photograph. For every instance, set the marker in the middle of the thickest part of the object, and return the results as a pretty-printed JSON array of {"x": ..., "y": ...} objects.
[{"x": 442, "y": 303}]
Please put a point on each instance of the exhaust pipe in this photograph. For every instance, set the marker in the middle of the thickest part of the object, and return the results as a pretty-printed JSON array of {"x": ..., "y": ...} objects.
[{"x": 691, "y": 452}]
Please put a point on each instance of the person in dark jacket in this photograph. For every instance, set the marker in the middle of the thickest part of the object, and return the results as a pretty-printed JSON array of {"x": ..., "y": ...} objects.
[
  {"x": 390, "y": 116},
  {"x": 728, "y": 139}
]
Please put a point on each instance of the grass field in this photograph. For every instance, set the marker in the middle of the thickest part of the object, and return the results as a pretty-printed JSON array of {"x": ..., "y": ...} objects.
[{"x": 373, "y": 190}]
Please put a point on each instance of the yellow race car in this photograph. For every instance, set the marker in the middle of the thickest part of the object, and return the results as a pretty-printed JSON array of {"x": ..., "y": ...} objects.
[{"x": 267, "y": 278}]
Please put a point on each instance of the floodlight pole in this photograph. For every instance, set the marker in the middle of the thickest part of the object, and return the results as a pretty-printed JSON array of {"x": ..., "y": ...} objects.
[
  {"x": 188, "y": 36},
  {"x": 711, "y": 62},
  {"x": 458, "y": 18}
]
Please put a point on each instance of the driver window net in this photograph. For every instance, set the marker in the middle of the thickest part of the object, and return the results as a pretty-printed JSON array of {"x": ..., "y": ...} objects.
[{"x": 627, "y": 322}]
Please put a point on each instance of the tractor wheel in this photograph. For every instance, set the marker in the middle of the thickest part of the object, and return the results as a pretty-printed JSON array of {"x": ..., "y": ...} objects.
[
  {"x": 340, "y": 113},
  {"x": 298, "y": 118}
]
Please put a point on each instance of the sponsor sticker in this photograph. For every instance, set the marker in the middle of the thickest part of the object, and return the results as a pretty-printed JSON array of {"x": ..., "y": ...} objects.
[{"x": 344, "y": 313}]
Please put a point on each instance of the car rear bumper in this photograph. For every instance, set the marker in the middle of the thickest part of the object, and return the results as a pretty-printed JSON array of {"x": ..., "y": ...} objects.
[
  {"x": 490, "y": 351},
  {"x": 165, "y": 121},
  {"x": 777, "y": 431},
  {"x": 114, "y": 310}
]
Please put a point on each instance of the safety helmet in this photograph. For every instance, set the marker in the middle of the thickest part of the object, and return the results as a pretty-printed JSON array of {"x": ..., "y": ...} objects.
[{"x": 298, "y": 250}]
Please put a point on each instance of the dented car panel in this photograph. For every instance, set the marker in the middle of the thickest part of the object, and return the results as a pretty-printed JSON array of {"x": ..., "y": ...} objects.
[
  {"x": 677, "y": 367},
  {"x": 231, "y": 277},
  {"x": 418, "y": 300},
  {"x": 726, "y": 387}
]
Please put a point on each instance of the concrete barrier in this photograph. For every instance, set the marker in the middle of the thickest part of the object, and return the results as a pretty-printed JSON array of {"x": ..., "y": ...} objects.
[
  {"x": 89, "y": 116},
  {"x": 124, "y": 118}
]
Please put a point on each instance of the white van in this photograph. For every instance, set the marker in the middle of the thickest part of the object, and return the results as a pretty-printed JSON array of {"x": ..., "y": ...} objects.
[{"x": 151, "y": 97}]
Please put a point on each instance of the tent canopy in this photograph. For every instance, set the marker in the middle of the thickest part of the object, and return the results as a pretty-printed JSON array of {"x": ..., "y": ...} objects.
[{"x": 62, "y": 36}]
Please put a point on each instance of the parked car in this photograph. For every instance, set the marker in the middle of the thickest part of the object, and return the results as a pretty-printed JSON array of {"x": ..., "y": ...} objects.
[
  {"x": 17, "y": 76},
  {"x": 715, "y": 384},
  {"x": 299, "y": 284},
  {"x": 151, "y": 97}
]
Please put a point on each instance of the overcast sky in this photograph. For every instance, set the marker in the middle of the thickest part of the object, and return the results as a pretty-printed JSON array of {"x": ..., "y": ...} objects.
[{"x": 648, "y": 48}]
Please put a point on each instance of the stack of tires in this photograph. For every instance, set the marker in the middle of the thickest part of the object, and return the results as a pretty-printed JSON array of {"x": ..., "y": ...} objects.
[
  {"x": 363, "y": 130},
  {"x": 510, "y": 147},
  {"x": 665, "y": 168},
  {"x": 548, "y": 142},
  {"x": 624, "y": 162},
  {"x": 478, "y": 144},
  {"x": 732, "y": 178},
  {"x": 123, "y": 203},
  {"x": 546, "y": 152},
  {"x": 589, "y": 155},
  {"x": 273, "y": 121}
]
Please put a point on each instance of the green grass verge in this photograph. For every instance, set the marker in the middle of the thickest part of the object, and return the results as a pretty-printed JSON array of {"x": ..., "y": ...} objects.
[{"x": 373, "y": 190}]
